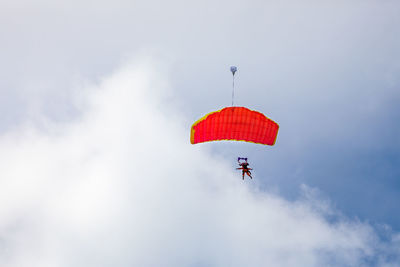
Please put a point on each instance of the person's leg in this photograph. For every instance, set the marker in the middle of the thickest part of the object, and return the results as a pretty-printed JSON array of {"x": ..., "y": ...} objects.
[{"x": 249, "y": 174}]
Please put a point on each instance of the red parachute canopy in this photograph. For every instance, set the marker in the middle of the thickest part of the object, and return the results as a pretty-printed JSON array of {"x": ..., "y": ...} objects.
[{"x": 235, "y": 123}]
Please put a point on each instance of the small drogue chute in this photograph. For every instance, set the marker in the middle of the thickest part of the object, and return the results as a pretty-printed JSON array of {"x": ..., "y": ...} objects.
[{"x": 233, "y": 70}]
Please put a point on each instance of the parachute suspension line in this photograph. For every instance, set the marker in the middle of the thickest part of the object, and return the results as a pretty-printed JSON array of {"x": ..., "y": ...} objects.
[
  {"x": 233, "y": 88},
  {"x": 233, "y": 70}
]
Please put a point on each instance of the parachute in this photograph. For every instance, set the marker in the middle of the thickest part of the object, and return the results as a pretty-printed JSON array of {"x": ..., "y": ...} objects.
[
  {"x": 234, "y": 123},
  {"x": 237, "y": 124}
]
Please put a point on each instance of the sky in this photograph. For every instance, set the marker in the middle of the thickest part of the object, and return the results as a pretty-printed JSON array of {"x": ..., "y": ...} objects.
[{"x": 98, "y": 99}]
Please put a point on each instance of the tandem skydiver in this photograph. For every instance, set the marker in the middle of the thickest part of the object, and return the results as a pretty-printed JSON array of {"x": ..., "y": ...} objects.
[{"x": 244, "y": 166}]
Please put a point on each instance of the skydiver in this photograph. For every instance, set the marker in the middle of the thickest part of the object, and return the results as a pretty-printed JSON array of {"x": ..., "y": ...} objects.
[{"x": 244, "y": 166}]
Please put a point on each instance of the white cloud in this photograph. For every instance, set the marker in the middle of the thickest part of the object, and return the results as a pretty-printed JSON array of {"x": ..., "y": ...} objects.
[{"x": 121, "y": 186}]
